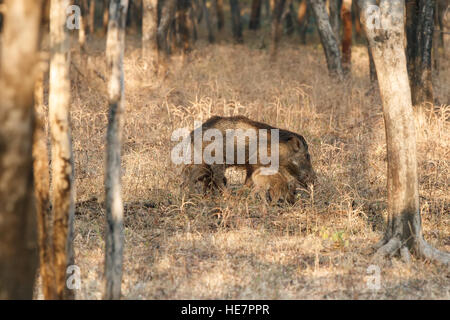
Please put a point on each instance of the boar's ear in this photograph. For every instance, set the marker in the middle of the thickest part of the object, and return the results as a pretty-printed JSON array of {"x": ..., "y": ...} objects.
[{"x": 295, "y": 143}]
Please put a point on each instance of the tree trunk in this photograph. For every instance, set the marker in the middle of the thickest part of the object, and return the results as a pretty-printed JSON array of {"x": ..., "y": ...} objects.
[
  {"x": 114, "y": 208},
  {"x": 236, "y": 21},
  {"x": 330, "y": 46},
  {"x": 62, "y": 159},
  {"x": 303, "y": 20},
  {"x": 41, "y": 191},
  {"x": 82, "y": 21},
  {"x": 91, "y": 18},
  {"x": 356, "y": 21},
  {"x": 182, "y": 23},
  {"x": 220, "y": 15},
  {"x": 288, "y": 17},
  {"x": 347, "y": 35},
  {"x": 255, "y": 15},
  {"x": 335, "y": 17},
  {"x": 420, "y": 24},
  {"x": 208, "y": 22},
  {"x": 404, "y": 230},
  {"x": 168, "y": 8},
  {"x": 18, "y": 249},
  {"x": 276, "y": 27},
  {"x": 105, "y": 16},
  {"x": 149, "y": 28},
  {"x": 192, "y": 23}
]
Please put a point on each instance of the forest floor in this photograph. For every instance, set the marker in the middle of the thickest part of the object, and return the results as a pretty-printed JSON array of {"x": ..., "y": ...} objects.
[{"x": 231, "y": 246}]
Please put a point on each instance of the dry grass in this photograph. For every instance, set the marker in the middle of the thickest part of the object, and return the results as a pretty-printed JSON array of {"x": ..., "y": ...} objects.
[{"x": 231, "y": 247}]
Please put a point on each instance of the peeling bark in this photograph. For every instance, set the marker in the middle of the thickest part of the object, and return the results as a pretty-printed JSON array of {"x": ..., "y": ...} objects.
[
  {"x": 42, "y": 196},
  {"x": 63, "y": 192},
  {"x": 114, "y": 207},
  {"x": 404, "y": 230},
  {"x": 18, "y": 248}
]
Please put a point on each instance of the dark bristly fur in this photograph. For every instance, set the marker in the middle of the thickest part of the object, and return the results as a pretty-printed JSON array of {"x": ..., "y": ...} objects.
[{"x": 294, "y": 159}]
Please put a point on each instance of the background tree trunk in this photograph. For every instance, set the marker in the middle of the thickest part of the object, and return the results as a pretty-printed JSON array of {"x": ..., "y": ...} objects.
[
  {"x": 114, "y": 208},
  {"x": 330, "y": 46},
  {"x": 41, "y": 191},
  {"x": 182, "y": 23},
  {"x": 335, "y": 17},
  {"x": 420, "y": 24},
  {"x": 303, "y": 19},
  {"x": 82, "y": 21},
  {"x": 255, "y": 15},
  {"x": 236, "y": 21},
  {"x": 62, "y": 159},
  {"x": 220, "y": 15},
  {"x": 347, "y": 35},
  {"x": 276, "y": 27},
  {"x": 105, "y": 16},
  {"x": 168, "y": 8},
  {"x": 91, "y": 18},
  {"x": 149, "y": 28},
  {"x": 404, "y": 230},
  {"x": 208, "y": 22},
  {"x": 18, "y": 249}
]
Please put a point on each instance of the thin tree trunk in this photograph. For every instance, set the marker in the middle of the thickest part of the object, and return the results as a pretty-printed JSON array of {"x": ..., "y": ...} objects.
[
  {"x": 288, "y": 17},
  {"x": 404, "y": 231},
  {"x": 220, "y": 15},
  {"x": 192, "y": 23},
  {"x": 105, "y": 16},
  {"x": 168, "y": 8},
  {"x": 62, "y": 159},
  {"x": 356, "y": 21},
  {"x": 182, "y": 23},
  {"x": 208, "y": 22},
  {"x": 91, "y": 18},
  {"x": 236, "y": 21},
  {"x": 255, "y": 15},
  {"x": 82, "y": 21},
  {"x": 335, "y": 17},
  {"x": 276, "y": 27},
  {"x": 41, "y": 191},
  {"x": 420, "y": 25},
  {"x": 149, "y": 28},
  {"x": 303, "y": 20},
  {"x": 330, "y": 46},
  {"x": 347, "y": 35},
  {"x": 18, "y": 249},
  {"x": 114, "y": 208}
]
